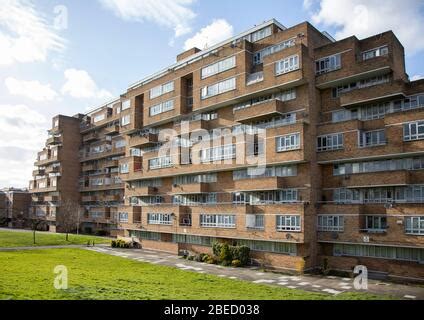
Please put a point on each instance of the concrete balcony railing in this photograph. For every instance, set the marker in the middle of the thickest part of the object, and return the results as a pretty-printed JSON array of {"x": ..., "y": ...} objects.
[
  {"x": 111, "y": 164},
  {"x": 104, "y": 154},
  {"x": 53, "y": 141},
  {"x": 47, "y": 161},
  {"x": 143, "y": 140},
  {"x": 381, "y": 92},
  {"x": 88, "y": 167},
  {"x": 111, "y": 130},
  {"x": 102, "y": 187},
  {"x": 113, "y": 198},
  {"x": 193, "y": 188},
  {"x": 392, "y": 178},
  {"x": 259, "y": 111},
  {"x": 88, "y": 198},
  {"x": 92, "y": 136},
  {"x": 51, "y": 198},
  {"x": 259, "y": 184},
  {"x": 35, "y": 198},
  {"x": 38, "y": 172},
  {"x": 141, "y": 191},
  {"x": 192, "y": 126}
]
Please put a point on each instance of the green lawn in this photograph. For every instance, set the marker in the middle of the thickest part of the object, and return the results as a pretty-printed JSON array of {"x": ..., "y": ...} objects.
[
  {"x": 25, "y": 239},
  {"x": 29, "y": 275}
]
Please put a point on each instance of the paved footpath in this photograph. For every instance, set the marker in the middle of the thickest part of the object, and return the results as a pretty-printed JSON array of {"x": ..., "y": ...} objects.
[{"x": 323, "y": 284}]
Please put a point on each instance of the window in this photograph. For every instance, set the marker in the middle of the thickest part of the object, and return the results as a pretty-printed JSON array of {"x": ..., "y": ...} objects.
[
  {"x": 185, "y": 238},
  {"x": 282, "y": 96},
  {"x": 99, "y": 117},
  {"x": 124, "y": 168},
  {"x": 261, "y": 34},
  {"x": 217, "y": 221},
  {"x": 161, "y": 108},
  {"x": 56, "y": 123},
  {"x": 120, "y": 143},
  {"x": 414, "y": 225},
  {"x": 218, "y": 67},
  {"x": 192, "y": 179},
  {"x": 375, "y": 223},
  {"x": 240, "y": 198},
  {"x": 409, "y": 103},
  {"x": 218, "y": 153},
  {"x": 328, "y": 64},
  {"x": 159, "y": 218},
  {"x": 162, "y": 162},
  {"x": 372, "y": 138},
  {"x": 413, "y": 131},
  {"x": 277, "y": 247},
  {"x": 344, "y": 115},
  {"x": 343, "y": 195},
  {"x": 287, "y": 65},
  {"x": 288, "y": 223},
  {"x": 254, "y": 173},
  {"x": 125, "y": 120},
  {"x": 255, "y": 221},
  {"x": 330, "y": 142},
  {"x": 123, "y": 217},
  {"x": 375, "y": 111},
  {"x": 161, "y": 90},
  {"x": 337, "y": 91},
  {"x": 218, "y": 88},
  {"x": 259, "y": 56},
  {"x": 330, "y": 223},
  {"x": 288, "y": 142},
  {"x": 383, "y": 252},
  {"x": 378, "y": 52},
  {"x": 126, "y": 104}
]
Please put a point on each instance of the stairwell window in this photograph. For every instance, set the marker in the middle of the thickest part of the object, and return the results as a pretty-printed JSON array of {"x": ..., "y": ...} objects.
[
  {"x": 125, "y": 120},
  {"x": 413, "y": 131},
  {"x": 288, "y": 223},
  {"x": 288, "y": 142},
  {"x": 414, "y": 225},
  {"x": 218, "y": 88},
  {"x": 218, "y": 67},
  {"x": 161, "y": 90},
  {"x": 161, "y": 108},
  {"x": 330, "y": 142},
  {"x": 330, "y": 223},
  {"x": 328, "y": 64},
  {"x": 377, "y": 52},
  {"x": 372, "y": 138},
  {"x": 287, "y": 65}
]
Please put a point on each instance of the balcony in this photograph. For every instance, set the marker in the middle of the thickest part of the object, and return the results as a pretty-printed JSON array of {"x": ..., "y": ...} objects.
[
  {"x": 377, "y": 93},
  {"x": 259, "y": 111},
  {"x": 92, "y": 136},
  {"x": 38, "y": 172},
  {"x": 102, "y": 187},
  {"x": 254, "y": 78},
  {"x": 355, "y": 71},
  {"x": 51, "y": 169},
  {"x": 88, "y": 198},
  {"x": 44, "y": 162},
  {"x": 89, "y": 167},
  {"x": 111, "y": 130},
  {"x": 186, "y": 127},
  {"x": 111, "y": 164},
  {"x": 113, "y": 198},
  {"x": 240, "y": 209},
  {"x": 51, "y": 198},
  {"x": 362, "y": 180},
  {"x": 259, "y": 184},
  {"x": 105, "y": 154},
  {"x": 141, "y": 191},
  {"x": 143, "y": 140},
  {"x": 193, "y": 188},
  {"x": 36, "y": 198},
  {"x": 53, "y": 141}
]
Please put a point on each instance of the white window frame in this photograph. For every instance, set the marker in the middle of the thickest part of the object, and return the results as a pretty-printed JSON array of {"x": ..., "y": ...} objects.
[
  {"x": 224, "y": 221},
  {"x": 218, "y": 67},
  {"x": 160, "y": 219},
  {"x": 416, "y": 126},
  {"x": 161, "y": 107},
  {"x": 333, "y": 141},
  {"x": 289, "y": 223},
  {"x": 218, "y": 88},
  {"x": 287, "y": 65},
  {"x": 376, "y": 52},
  {"x": 330, "y": 223},
  {"x": 291, "y": 142},
  {"x": 414, "y": 230},
  {"x": 375, "y": 137},
  {"x": 161, "y": 89},
  {"x": 328, "y": 64},
  {"x": 125, "y": 120}
]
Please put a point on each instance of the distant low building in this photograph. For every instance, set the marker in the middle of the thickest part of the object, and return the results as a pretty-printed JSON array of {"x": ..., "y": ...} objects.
[{"x": 14, "y": 207}]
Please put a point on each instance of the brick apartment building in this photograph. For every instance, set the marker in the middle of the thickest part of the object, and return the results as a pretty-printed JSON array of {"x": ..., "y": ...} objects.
[
  {"x": 338, "y": 123},
  {"x": 14, "y": 207}
]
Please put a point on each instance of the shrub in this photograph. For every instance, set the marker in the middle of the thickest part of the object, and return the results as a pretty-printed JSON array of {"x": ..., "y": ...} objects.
[
  {"x": 236, "y": 263},
  {"x": 211, "y": 260},
  {"x": 225, "y": 255},
  {"x": 240, "y": 253},
  {"x": 113, "y": 243},
  {"x": 190, "y": 258},
  {"x": 101, "y": 233},
  {"x": 205, "y": 257}
]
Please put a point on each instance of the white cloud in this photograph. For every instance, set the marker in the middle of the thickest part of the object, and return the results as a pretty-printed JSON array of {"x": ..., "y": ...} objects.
[
  {"x": 365, "y": 18},
  {"x": 25, "y": 35},
  {"x": 33, "y": 90},
  {"x": 23, "y": 132},
  {"x": 417, "y": 77},
  {"x": 175, "y": 14},
  {"x": 79, "y": 84},
  {"x": 219, "y": 30}
]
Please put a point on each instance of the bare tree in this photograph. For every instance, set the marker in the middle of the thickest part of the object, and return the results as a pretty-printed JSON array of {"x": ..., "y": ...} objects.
[
  {"x": 36, "y": 223},
  {"x": 68, "y": 218}
]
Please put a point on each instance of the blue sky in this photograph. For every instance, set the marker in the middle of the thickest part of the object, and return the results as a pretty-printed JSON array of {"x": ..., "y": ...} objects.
[{"x": 71, "y": 55}]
